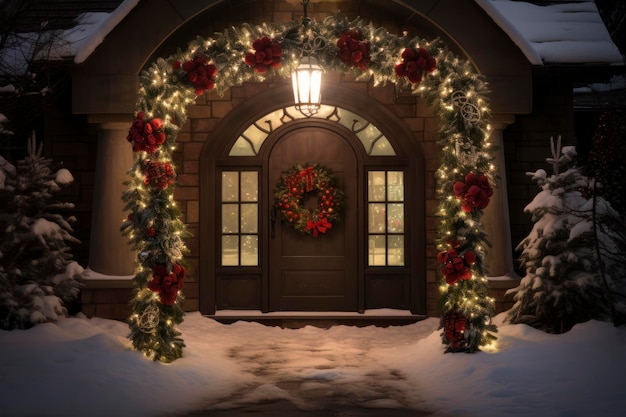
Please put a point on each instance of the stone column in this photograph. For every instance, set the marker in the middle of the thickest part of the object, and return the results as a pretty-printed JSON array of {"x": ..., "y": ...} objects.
[
  {"x": 496, "y": 220},
  {"x": 109, "y": 251}
]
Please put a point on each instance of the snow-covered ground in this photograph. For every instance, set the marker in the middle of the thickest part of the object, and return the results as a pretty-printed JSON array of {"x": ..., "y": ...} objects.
[{"x": 82, "y": 367}]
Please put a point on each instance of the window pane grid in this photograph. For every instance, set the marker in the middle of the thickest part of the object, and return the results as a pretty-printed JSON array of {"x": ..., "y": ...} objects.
[
  {"x": 240, "y": 218},
  {"x": 385, "y": 218}
]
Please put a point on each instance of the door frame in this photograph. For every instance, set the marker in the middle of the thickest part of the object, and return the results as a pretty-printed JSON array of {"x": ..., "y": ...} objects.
[{"x": 408, "y": 151}]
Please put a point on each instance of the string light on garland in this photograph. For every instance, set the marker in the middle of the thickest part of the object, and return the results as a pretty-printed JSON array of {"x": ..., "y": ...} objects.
[{"x": 449, "y": 85}]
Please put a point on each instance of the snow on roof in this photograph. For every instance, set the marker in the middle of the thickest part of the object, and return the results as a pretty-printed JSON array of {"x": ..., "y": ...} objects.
[
  {"x": 563, "y": 33},
  {"x": 78, "y": 41},
  {"x": 100, "y": 26},
  {"x": 569, "y": 32}
]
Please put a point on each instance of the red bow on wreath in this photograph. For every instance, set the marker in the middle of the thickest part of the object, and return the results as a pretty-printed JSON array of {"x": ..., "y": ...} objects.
[
  {"x": 307, "y": 175},
  {"x": 321, "y": 226},
  {"x": 454, "y": 267},
  {"x": 167, "y": 285},
  {"x": 475, "y": 192},
  {"x": 414, "y": 64},
  {"x": 146, "y": 135}
]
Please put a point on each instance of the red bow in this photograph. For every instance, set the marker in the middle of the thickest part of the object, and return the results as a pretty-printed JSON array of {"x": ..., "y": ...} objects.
[
  {"x": 454, "y": 267},
  {"x": 167, "y": 285},
  {"x": 318, "y": 227},
  {"x": 307, "y": 174}
]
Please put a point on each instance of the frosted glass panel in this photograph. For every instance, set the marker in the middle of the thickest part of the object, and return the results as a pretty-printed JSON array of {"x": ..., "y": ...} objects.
[
  {"x": 230, "y": 250},
  {"x": 326, "y": 112},
  {"x": 249, "y": 186},
  {"x": 271, "y": 121},
  {"x": 256, "y": 136},
  {"x": 230, "y": 218},
  {"x": 249, "y": 218},
  {"x": 241, "y": 148},
  {"x": 395, "y": 250},
  {"x": 350, "y": 120},
  {"x": 230, "y": 186},
  {"x": 395, "y": 186},
  {"x": 372, "y": 139},
  {"x": 377, "y": 252},
  {"x": 368, "y": 135},
  {"x": 249, "y": 250},
  {"x": 376, "y": 186},
  {"x": 395, "y": 218},
  {"x": 382, "y": 147},
  {"x": 376, "y": 218}
]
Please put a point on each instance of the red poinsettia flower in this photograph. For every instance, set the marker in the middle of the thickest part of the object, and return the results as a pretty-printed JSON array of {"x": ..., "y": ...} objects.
[
  {"x": 266, "y": 55},
  {"x": 475, "y": 192},
  {"x": 146, "y": 135},
  {"x": 353, "y": 51},
  {"x": 415, "y": 63},
  {"x": 200, "y": 73}
]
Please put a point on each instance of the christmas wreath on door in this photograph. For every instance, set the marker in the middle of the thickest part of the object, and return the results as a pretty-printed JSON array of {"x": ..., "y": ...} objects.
[{"x": 299, "y": 182}]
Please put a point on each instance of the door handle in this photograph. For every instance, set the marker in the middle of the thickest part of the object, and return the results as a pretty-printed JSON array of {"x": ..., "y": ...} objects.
[{"x": 273, "y": 222}]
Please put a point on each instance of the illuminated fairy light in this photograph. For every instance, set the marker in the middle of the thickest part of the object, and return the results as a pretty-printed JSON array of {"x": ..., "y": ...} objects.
[{"x": 491, "y": 347}]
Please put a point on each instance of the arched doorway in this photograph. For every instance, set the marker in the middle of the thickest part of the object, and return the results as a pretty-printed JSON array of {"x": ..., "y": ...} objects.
[{"x": 373, "y": 258}]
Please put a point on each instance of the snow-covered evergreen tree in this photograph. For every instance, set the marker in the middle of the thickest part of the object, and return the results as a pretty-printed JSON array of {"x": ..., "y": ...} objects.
[
  {"x": 562, "y": 285},
  {"x": 38, "y": 278}
]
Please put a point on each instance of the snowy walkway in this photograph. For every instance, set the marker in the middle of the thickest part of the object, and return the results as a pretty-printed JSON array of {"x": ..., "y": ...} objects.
[
  {"x": 86, "y": 367},
  {"x": 316, "y": 372}
]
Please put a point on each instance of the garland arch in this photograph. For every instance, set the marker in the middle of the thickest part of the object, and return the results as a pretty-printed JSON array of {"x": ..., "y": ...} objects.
[{"x": 251, "y": 53}]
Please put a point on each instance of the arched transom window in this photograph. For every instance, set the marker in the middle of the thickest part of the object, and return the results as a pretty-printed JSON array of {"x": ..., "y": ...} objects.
[{"x": 373, "y": 140}]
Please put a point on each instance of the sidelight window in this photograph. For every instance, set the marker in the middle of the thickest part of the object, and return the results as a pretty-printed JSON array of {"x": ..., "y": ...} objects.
[
  {"x": 385, "y": 218},
  {"x": 240, "y": 218}
]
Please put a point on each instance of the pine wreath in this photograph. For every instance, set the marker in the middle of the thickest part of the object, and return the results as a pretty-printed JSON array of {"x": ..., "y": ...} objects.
[{"x": 295, "y": 185}]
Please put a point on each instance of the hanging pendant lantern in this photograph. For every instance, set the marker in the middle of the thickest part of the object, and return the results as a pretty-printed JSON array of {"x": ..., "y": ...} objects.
[
  {"x": 307, "y": 78},
  {"x": 307, "y": 86}
]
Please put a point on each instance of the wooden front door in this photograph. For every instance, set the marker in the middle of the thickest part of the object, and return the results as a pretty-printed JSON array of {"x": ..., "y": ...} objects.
[{"x": 314, "y": 273}]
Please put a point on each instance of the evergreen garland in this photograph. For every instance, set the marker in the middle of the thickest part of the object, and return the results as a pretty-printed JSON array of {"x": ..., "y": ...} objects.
[{"x": 448, "y": 84}]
